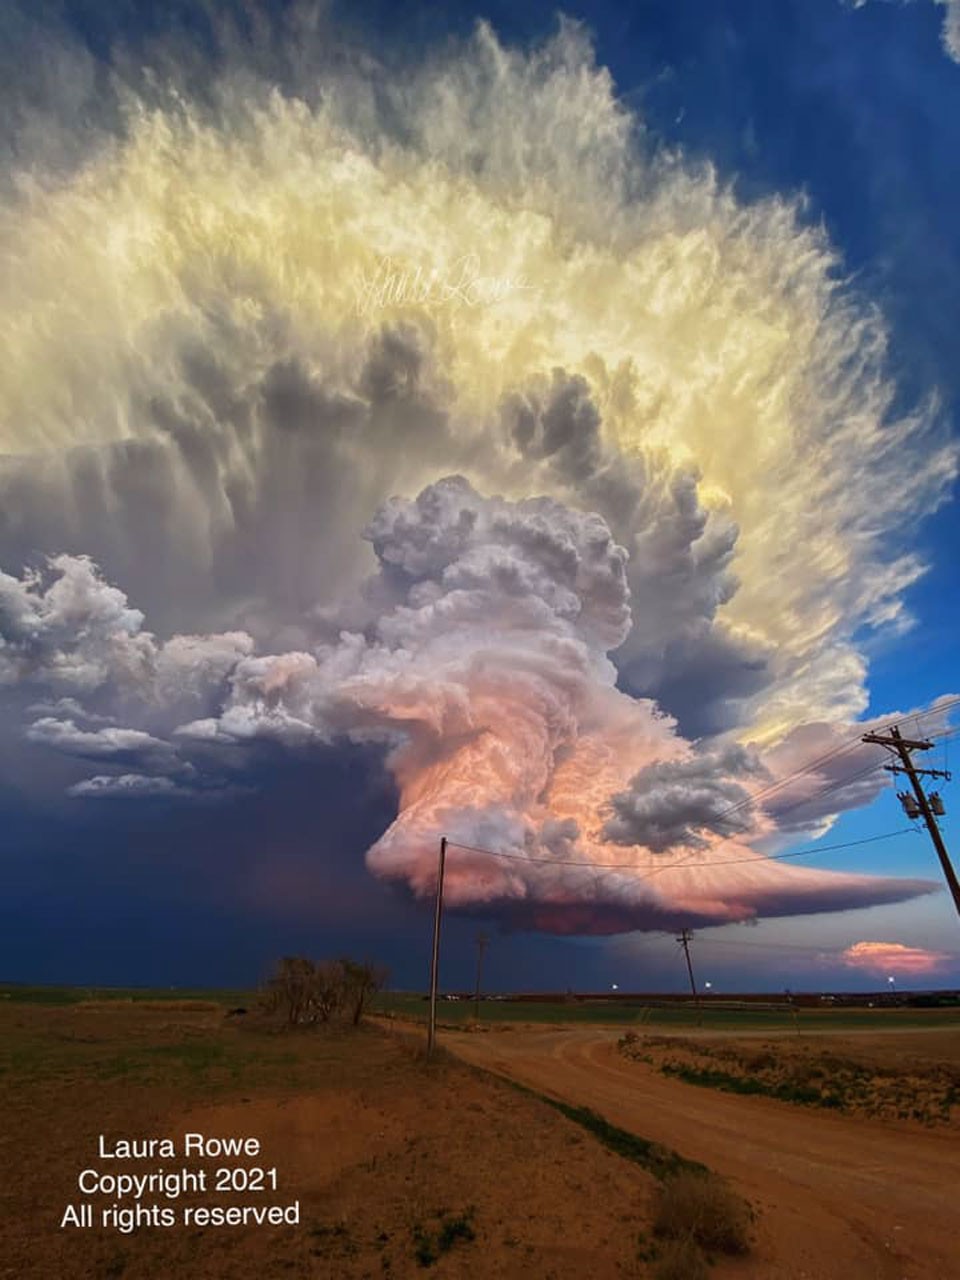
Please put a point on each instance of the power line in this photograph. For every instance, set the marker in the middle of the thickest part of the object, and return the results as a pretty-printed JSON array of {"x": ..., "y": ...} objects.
[
  {"x": 771, "y": 946},
  {"x": 763, "y": 793},
  {"x": 833, "y": 786},
  {"x": 726, "y": 862}
]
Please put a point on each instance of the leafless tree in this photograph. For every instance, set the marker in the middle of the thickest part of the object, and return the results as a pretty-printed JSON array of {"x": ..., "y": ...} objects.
[{"x": 307, "y": 993}]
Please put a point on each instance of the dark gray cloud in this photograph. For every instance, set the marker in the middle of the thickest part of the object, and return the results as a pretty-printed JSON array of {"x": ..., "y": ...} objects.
[
  {"x": 680, "y": 555},
  {"x": 239, "y": 500},
  {"x": 130, "y": 747},
  {"x": 674, "y": 804}
]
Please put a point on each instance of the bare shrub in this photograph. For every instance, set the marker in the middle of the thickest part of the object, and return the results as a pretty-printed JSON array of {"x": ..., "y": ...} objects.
[
  {"x": 305, "y": 993},
  {"x": 361, "y": 981},
  {"x": 705, "y": 1210},
  {"x": 681, "y": 1260}
]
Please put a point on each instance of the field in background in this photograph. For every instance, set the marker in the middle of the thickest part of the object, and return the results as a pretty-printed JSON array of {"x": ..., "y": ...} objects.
[
  {"x": 24, "y": 993},
  {"x": 764, "y": 1013},
  {"x": 712, "y": 1015}
]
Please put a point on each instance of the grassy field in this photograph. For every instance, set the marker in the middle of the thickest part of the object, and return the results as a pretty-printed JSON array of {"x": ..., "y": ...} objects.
[
  {"x": 629, "y": 1015},
  {"x": 913, "y": 1076},
  {"x": 24, "y": 993},
  {"x": 713, "y": 1014},
  {"x": 397, "y": 1165}
]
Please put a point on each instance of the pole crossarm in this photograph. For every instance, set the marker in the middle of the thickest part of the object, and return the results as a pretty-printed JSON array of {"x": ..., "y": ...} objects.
[
  {"x": 903, "y": 746},
  {"x": 921, "y": 773},
  {"x": 895, "y": 741}
]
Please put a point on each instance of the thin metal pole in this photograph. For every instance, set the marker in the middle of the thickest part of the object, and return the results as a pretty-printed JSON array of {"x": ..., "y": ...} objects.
[{"x": 435, "y": 959}]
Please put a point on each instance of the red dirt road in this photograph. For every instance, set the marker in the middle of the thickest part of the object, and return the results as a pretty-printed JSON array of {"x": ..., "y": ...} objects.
[{"x": 839, "y": 1197}]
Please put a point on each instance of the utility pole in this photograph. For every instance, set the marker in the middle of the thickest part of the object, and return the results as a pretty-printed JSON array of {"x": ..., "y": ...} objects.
[
  {"x": 684, "y": 940},
  {"x": 903, "y": 746},
  {"x": 435, "y": 959},
  {"x": 482, "y": 941}
]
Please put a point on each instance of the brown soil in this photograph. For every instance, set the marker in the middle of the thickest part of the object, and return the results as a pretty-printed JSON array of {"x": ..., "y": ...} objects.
[
  {"x": 842, "y": 1197},
  {"x": 382, "y": 1151}
]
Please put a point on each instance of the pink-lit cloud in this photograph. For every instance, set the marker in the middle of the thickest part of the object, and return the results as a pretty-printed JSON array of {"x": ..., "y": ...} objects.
[
  {"x": 895, "y": 958},
  {"x": 689, "y": 417}
]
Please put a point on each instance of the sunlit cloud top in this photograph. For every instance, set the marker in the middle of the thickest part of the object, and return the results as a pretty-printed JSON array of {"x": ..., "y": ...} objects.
[{"x": 443, "y": 410}]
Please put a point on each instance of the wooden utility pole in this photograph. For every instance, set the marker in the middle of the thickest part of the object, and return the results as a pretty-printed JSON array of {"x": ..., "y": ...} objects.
[
  {"x": 903, "y": 746},
  {"x": 482, "y": 941},
  {"x": 684, "y": 940},
  {"x": 435, "y": 959}
]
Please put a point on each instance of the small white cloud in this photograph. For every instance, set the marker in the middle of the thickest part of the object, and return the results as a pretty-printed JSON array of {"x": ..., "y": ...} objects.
[
  {"x": 69, "y": 707},
  {"x": 125, "y": 785},
  {"x": 112, "y": 742},
  {"x": 951, "y": 28}
]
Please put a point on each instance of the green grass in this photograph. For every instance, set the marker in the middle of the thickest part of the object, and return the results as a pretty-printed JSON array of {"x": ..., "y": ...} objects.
[
  {"x": 785, "y": 1091},
  {"x": 190, "y": 1051},
  {"x": 661, "y": 1161},
  {"x": 620, "y": 1013},
  {"x": 24, "y": 993},
  {"x": 627, "y": 1013}
]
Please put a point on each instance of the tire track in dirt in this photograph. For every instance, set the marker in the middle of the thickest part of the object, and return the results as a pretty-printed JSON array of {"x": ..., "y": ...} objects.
[{"x": 840, "y": 1198}]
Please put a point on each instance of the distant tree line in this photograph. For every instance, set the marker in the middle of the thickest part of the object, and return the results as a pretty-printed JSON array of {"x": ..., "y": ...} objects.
[{"x": 308, "y": 993}]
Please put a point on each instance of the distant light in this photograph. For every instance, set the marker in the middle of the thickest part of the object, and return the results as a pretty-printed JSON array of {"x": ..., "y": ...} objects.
[
  {"x": 707, "y": 986},
  {"x": 614, "y": 987}
]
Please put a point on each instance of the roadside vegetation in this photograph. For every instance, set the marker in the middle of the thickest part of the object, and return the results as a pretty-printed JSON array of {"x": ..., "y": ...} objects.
[
  {"x": 698, "y": 1214},
  {"x": 810, "y": 1074}
]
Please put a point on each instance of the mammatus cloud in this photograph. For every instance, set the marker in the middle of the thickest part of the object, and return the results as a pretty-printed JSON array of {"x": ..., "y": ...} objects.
[
  {"x": 895, "y": 958},
  {"x": 705, "y": 482}
]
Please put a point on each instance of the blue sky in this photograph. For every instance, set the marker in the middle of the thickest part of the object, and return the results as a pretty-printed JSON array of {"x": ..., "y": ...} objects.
[{"x": 858, "y": 110}]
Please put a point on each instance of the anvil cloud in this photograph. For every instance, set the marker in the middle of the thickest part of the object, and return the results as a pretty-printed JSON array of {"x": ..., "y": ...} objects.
[{"x": 587, "y": 544}]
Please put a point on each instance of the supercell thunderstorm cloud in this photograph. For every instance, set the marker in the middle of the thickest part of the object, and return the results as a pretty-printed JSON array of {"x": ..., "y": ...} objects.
[{"x": 436, "y": 408}]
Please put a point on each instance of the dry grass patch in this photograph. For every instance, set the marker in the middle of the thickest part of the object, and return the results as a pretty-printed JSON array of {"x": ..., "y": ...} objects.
[
  {"x": 902, "y": 1078},
  {"x": 703, "y": 1209},
  {"x": 401, "y": 1167},
  {"x": 681, "y": 1260}
]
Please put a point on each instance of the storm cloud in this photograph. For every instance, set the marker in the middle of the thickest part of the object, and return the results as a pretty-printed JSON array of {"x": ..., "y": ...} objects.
[{"x": 441, "y": 412}]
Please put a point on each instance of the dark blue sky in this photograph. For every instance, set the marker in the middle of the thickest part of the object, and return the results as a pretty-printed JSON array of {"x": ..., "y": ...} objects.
[{"x": 857, "y": 108}]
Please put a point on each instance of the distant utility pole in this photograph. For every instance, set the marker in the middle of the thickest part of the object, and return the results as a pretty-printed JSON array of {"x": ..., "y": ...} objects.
[
  {"x": 920, "y": 804},
  {"x": 684, "y": 940},
  {"x": 482, "y": 941},
  {"x": 435, "y": 959}
]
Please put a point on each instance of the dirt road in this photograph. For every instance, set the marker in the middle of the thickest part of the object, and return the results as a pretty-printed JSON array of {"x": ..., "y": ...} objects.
[{"x": 840, "y": 1198}]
